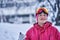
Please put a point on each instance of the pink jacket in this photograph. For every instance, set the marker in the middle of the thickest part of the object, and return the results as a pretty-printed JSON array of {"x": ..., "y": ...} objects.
[{"x": 47, "y": 32}]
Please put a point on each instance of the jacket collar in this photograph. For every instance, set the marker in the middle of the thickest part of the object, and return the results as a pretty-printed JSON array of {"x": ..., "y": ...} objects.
[{"x": 45, "y": 26}]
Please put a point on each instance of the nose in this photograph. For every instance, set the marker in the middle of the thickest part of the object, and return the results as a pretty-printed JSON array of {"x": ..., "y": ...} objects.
[{"x": 42, "y": 16}]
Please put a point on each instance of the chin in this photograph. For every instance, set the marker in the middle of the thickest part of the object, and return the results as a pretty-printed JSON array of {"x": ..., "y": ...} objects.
[{"x": 43, "y": 21}]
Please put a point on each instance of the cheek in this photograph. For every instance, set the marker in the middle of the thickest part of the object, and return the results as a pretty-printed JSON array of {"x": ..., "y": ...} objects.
[
  {"x": 37, "y": 17},
  {"x": 45, "y": 18}
]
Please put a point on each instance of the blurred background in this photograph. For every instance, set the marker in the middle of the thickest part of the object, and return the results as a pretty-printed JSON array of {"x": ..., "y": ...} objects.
[{"x": 17, "y": 16}]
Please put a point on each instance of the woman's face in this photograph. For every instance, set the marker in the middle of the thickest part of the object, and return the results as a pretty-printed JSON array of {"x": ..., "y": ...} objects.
[{"x": 42, "y": 18}]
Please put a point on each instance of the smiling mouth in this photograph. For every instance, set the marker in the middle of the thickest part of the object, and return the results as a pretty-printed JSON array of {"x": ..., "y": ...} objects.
[{"x": 42, "y": 19}]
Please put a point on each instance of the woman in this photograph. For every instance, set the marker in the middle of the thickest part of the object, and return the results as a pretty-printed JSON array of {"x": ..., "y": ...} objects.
[{"x": 42, "y": 30}]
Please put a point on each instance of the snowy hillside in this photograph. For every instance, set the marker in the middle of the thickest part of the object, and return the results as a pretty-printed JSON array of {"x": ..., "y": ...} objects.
[{"x": 11, "y": 31}]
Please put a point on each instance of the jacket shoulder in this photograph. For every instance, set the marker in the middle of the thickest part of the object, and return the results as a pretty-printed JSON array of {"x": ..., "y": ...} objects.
[
  {"x": 54, "y": 30},
  {"x": 30, "y": 30}
]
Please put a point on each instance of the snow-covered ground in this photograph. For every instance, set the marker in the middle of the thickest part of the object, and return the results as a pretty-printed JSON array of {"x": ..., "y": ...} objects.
[{"x": 12, "y": 31}]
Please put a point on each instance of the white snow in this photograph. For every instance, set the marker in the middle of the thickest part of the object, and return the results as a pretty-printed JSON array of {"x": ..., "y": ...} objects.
[{"x": 11, "y": 31}]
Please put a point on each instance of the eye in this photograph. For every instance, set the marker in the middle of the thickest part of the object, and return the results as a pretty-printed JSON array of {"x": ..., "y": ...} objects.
[
  {"x": 45, "y": 15},
  {"x": 40, "y": 15}
]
